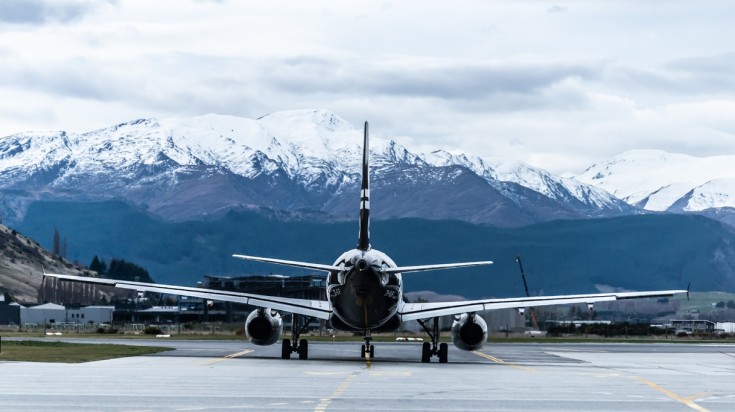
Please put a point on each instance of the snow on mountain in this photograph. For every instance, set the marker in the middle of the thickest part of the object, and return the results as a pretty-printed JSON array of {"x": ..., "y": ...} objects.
[
  {"x": 299, "y": 159},
  {"x": 563, "y": 189},
  {"x": 660, "y": 181}
]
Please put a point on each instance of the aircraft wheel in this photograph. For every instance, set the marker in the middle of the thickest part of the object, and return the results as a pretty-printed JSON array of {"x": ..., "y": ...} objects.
[
  {"x": 303, "y": 349},
  {"x": 372, "y": 351},
  {"x": 362, "y": 351},
  {"x": 286, "y": 349},
  {"x": 426, "y": 352},
  {"x": 443, "y": 352}
]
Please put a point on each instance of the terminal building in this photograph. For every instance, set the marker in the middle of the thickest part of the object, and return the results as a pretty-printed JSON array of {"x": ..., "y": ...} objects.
[
  {"x": 299, "y": 287},
  {"x": 190, "y": 309}
]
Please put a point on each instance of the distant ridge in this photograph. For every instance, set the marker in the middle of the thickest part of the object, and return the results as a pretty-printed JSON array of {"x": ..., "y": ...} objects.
[
  {"x": 640, "y": 252},
  {"x": 659, "y": 181}
]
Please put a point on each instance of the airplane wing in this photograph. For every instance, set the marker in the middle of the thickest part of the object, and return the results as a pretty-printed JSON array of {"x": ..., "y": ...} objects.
[
  {"x": 320, "y": 309},
  {"x": 413, "y": 311}
]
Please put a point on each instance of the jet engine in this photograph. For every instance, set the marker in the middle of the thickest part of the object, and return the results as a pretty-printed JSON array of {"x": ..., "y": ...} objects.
[
  {"x": 469, "y": 331},
  {"x": 264, "y": 326}
]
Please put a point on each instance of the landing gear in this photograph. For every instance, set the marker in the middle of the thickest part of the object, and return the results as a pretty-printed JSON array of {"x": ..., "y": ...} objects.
[
  {"x": 286, "y": 349},
  {"x": 429, "y": 349},
  {"x": 303, "y": 349},
  {"x": 300, "y": 346},
  {"x": 443, "y": 353},
  {"x": 367, "y": 349}
]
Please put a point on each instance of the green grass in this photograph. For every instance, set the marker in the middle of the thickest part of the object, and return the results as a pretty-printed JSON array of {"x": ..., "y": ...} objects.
[{"x": 62, "y": 352}]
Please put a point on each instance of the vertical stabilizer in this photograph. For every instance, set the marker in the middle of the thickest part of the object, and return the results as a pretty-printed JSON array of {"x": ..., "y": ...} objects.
[{"x": 363, "y": 242}]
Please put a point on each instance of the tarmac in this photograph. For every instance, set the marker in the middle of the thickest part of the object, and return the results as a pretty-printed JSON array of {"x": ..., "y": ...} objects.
[{"x": 236, "y": 375}]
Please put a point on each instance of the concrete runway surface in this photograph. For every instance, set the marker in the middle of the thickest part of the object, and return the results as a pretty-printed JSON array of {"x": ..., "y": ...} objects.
[{"x": 235, "y": 375}]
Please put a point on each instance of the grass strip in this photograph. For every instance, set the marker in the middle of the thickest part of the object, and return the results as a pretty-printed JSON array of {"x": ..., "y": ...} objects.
[{"x": 63, "y": 352}]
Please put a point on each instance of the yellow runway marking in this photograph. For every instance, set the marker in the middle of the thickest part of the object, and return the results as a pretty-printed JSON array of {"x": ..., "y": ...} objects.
[
  {"x": 502, "y": 362},
  {"x": 324, "y": 402},
  {"x": 231, "y": 356},
  {"x": 686, "y": 401}
]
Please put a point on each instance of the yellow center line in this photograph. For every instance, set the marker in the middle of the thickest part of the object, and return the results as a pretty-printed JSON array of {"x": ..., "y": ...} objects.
[
  {"x": 324, "y": 402},
  {"x": 231, "y": 356},
  {"x": 686, "y": 401},
  {"x": 502, "y": 362}
]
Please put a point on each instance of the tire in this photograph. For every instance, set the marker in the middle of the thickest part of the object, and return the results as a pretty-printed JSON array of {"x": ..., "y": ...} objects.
[
  {"x": 286, "y": 349},
  {"x": 303, "y": 349},
  {"x": 426, "y": 352},
  {"x": 372, "y": 351},
  {"x": 443, "y": 352},
  {"x": 362, "y": 351}
]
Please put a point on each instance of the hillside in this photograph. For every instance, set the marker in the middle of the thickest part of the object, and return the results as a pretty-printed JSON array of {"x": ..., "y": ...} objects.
[
  {"x": 21, "y": 263},
  {"x": 565, "y": 256}
]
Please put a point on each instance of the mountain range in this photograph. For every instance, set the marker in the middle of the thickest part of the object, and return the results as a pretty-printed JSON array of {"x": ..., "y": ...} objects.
[
  {"x": 655, "y": 180},
  {"x": 182, "y": 169},
  {"x": 179, "y": 195}
]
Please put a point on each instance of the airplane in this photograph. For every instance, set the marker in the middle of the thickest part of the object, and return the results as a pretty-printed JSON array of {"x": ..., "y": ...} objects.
[{"x": 365, "y": 295}]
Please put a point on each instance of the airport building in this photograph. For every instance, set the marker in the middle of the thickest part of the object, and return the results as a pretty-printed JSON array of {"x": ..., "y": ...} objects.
[
  {"x": 189, "y": 309},
  {"x": 694, "y": 326},
  {"x": 51, "y": 313},
  {"x": 299, "y": 287}
]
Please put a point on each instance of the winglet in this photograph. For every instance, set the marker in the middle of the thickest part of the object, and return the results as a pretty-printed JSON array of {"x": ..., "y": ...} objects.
[
  {"x": 688, "y": 286},
  {"x": 363, "y": 241}
]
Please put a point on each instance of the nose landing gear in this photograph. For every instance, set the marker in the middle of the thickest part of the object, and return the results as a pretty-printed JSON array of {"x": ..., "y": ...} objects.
[{"x": 367, "y": 350}]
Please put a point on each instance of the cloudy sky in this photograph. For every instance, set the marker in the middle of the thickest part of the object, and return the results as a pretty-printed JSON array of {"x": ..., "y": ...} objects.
[{"x": 558, "y": 84}]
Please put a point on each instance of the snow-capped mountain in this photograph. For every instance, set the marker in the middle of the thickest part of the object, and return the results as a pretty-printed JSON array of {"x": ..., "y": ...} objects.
[
  {"x": 183, "y": 168},
  {"x": 660, "y": 181},
  {"x": 497, "y": 170}
]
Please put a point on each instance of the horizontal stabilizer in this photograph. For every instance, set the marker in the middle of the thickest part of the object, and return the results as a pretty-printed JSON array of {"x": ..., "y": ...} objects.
[
  {"x": 423, "y": 268},
  {"x": 293, "y": 263}
]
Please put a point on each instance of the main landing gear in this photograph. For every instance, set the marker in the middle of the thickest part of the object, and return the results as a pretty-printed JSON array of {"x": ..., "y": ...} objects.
[
  {"x": 433, "y": 348},
  {"x": 367, "y": 349},
  {"x": 300, "y": 346}
]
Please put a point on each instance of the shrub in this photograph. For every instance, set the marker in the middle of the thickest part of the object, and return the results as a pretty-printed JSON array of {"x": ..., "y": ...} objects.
[{"x": 152, "y": 330}]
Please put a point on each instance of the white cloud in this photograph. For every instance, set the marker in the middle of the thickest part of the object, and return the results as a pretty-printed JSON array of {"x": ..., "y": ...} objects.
[{"x": 559, "y": 86}]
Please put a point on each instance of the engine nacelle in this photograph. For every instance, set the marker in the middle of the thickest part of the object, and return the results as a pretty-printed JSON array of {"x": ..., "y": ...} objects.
[
  {"x": 264, "y": 326},
  {"x": 469, "y": 331}
]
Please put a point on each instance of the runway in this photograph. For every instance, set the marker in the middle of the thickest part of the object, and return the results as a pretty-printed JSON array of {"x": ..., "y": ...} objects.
[{"x": 235, "y": 375}]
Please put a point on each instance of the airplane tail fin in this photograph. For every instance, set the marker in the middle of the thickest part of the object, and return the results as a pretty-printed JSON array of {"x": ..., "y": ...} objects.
[{"x": 363, "y": 242}]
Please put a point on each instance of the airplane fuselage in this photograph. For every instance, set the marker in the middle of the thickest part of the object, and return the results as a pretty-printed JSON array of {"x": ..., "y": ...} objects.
[{"x": 363, "y": 297}]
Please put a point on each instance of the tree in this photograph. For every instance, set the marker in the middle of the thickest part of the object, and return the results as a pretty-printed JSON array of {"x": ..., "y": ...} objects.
[
  {"x": 730, "y": 304},
  {"x": 57, "y": 242},
  {"x": 120, "y": 269},
  {"x": 99, "y": 266},
  {"x": 720, "y": 304}
]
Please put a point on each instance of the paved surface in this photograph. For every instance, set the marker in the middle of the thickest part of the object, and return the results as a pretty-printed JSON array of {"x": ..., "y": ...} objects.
[{"x": 227, "y": 375}]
